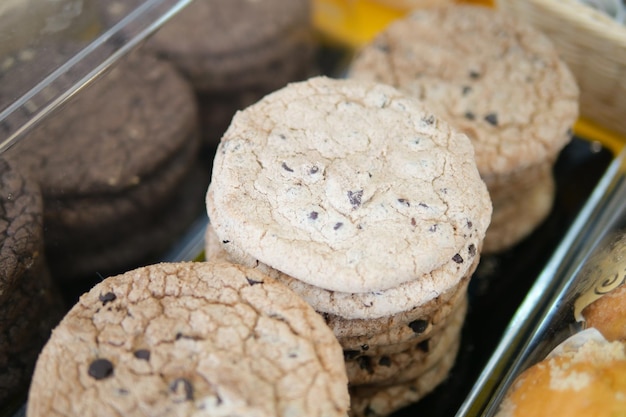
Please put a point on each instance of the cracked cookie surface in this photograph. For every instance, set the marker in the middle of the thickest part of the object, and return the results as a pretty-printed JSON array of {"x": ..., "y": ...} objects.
[
  {"x": 347, "y": 185},
  {"x": 190, "y": 339},
  {"x": 496, "y": 79}
]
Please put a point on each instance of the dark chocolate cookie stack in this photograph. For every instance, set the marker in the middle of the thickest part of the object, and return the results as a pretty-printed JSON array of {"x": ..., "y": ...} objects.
[
  {"x": 29, "y": 304},
  {"x": 234, "y": 52},
  {"x": 118, "y": 169}
]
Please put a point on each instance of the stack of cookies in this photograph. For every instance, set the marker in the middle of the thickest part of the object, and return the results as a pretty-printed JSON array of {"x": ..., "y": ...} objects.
[
  {"x": 119, "y": 171},
  {"x": 498, "y": 80},
  {"x": 30, "y": 305},
  {"x": 233, "y": 52},
  {"x": 372, "y": 210}
]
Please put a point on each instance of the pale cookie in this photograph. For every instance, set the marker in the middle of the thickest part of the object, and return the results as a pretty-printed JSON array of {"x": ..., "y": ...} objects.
[
  {"x": 515, "y": 218},
  {"x": 190, "y": 339},
  {"x": 494, "y": 78},
  {"x": 409, "y": 364},
  {"x": 356, "y": 314},
  {"x": 380, "y": 400},
  {"x": 338, "y": 182},
  {"x": 389, "y": 339}
]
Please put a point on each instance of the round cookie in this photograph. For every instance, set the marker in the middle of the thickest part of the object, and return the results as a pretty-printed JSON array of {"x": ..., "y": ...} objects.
[
  {"x": 497, "y": 79},
  {"x": 380, "y": 400},
  {"x": 396, "y": 339},
  {"x": 30, "y": 305},
  {"x": 355, "y": 314},
  {"x": 190, "y": 339},
  {"x": 407, "y": 365},
  {"x": 229, "y": 46},
  {"x": 233, "y": 53},
  {"x": 110, "y": 161},
  {"x": 337, "y": 182},
  {"x": 517, "y": 217}
]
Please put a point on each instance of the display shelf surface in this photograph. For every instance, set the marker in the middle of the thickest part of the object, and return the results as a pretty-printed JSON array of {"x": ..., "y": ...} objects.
[{"x": 50, "y": 49}]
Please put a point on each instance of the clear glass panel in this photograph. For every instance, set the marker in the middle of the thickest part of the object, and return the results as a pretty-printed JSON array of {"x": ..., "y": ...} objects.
[{"x": 51, "y": 48}]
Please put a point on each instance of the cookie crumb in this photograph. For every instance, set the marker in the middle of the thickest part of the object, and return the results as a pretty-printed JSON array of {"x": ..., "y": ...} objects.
[{"x": 492, "y": 119}]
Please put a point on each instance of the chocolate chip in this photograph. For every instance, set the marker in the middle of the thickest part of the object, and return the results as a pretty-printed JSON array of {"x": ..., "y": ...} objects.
[
  {"x": 355, "y": 198},
  {"x": 283, "y": 137},
  {"x": 474, "y": 75},
  {"x": 429, "y": 120},
  {"x": 286, "y": 168},
  {"x": 142, "y": 354},
  {"x": 225, "y": 241},
  {"x": 433, "y": 228},
  {"x": 183, "y": 389},
  {"x": 472, "y": 249},
  {"x": 423, "y": 205},
  {"x": 100, "y": 369},
  {"x": 469, "y": 224},
  {"x": 337, "y": 225},
  {"x": 466, "y": 90},
  {"x": 384, "y": 361},
  {"x": 314, "y": 170},
  {"x": 470, "y": 116},
  {"x": 404, "y": 202},
  {"x": 313, "y": 215},
  {"x": 369, "y": 412},
  {"x": 457, "y": 258},
  {"x": 381, "y": 46},
  {"x": 413, "y": 222},
  {"x": 365, "y": 363},
  {"x": 418, "y": 326},
  {"x": 424, "y": 345},
  {"x": 350, "y": 354},
  {"x": 107, "y": 298},
  {"x": 365, "y": 347},
  {"x": 252, "y": 281},
  {"x": 492, "y": 119}
]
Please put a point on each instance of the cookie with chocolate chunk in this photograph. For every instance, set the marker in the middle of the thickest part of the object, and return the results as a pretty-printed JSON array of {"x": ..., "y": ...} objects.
[
  {"x": 364, "y": 367},
  {"x": 110, "y": 162},
  {"x": 394, "y": 331},
  {"x": 498, "y": 80},
  {"x": 30, "y": 304},
  {"x": 348, "y": 178},
  {"x": 358, "y": 198},
  {"x": 379, "y": 400},
  {"x": 189, "y": 339}
]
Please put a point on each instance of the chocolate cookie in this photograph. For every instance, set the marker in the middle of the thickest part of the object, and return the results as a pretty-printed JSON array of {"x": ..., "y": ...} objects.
[
  {"x": 30, "y": 305},
  {"x": 110, "y": 161},
  {"x": 234, "y": 52},
  {"x": 190, "y": 339},
  {"x": 495, "y": 78}
]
